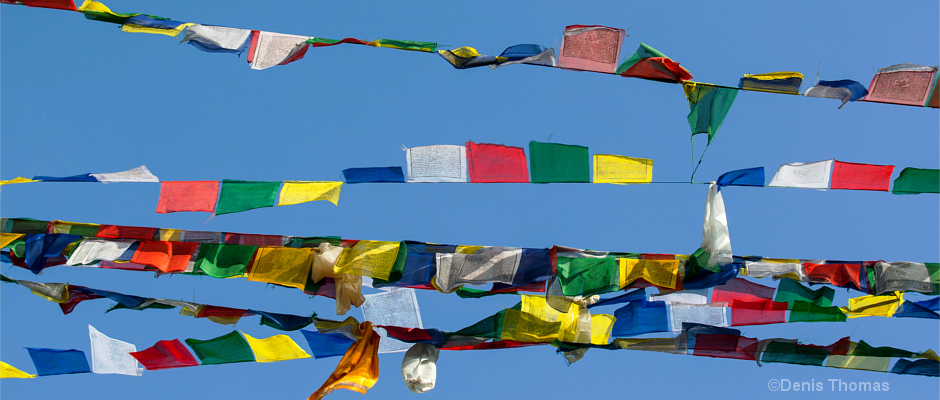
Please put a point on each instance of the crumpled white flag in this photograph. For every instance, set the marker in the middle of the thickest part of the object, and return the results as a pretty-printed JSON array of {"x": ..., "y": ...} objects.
[
  {"x": 110, "y": 356},
  {"x": 419, "y": 367},
  {"x": 716, "y": 239},
  {"x": 139, "y": 174},
  {"x": 90, "y": 251},
  {"x": 217, "y": 36}
]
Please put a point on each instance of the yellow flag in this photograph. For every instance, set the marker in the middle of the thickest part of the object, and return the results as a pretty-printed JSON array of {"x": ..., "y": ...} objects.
[
  {"x": 662, "y": 273},
  {"x": 9, "y": 371},
  {"x": 871, "y": 305},
  {"x": 7, "y": 238},
  {"x": 129, "y": 27},
  {"x": 610, "y": 168},
  {"x": 275, "y": 348},
  {"x": 296, "y": 192},
  {"x": 867, "y": 363},
  {"x": 16, "y": 180},
  {"x": 368, "y": 258}
]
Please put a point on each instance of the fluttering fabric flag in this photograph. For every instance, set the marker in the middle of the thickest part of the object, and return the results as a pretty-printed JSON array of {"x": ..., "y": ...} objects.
[
  {"x": 699, "y": 296},
  {"x": 902, "y": 276},
  {"x": 845, "y": 90},
  {"x": 139, "y": 174},
  {"x": 917, "y": 367},
  {"x": 90, "y": 251},
  {"x": 466, "y": 57},
  {"x": 54, "y": 292},
  {"x": 708, "y": 106},
  {"x": 217, "y": 39},
  {"x": 145, "y": 24},
  {"x": 558, "y": 163},
  {"x": 96, "y": 11},
  {"x": 374, "y": 175},
  {"x": 639, "y": 317},
  {"x": 398, "y": 307},
  {"x": 758, "y": 312},
  {"x": 802, "y": 311},
  {"x": 427, "y": 47},
  {"x": 716, "y": 239},
  {"x": 176, "y": 196},
  {"x": 165, "y": 354},
  {"x": 591, "y": 48},
  {"x": 610, "y": 168},
  {"x": 774, "y": 82},
  {"x": 275, "y": 348},
  {"x": 296, "y": 192},
  {"x": 841, "y": 275},
  {"x": 854, "y": 176},
  {"x": 16, "y": 180},
  {"x": 324, "y": 345},
  {"x": 486, "y": 265},
  {"x": 238, "y": 196},
  {"x": 908, "y": 84},
  {"x": 111, "y": 356},
  {"x": 739, "y": 289},
  {"x": 224, "y": 260},
  {"x": 58, "y": 362},
  {"x": 707, "y": 314},
  {"x": 742, "y": 177},
  {"x": 587, "y": 276},
  {"x": 419, "y": 367},
  {"x": 46, "y": 250},
  {"x": 811, "y": 175},
  {"x": 790, "y": 291},
  {"x": 268, "y": 49},
  {"x": 662, "y": 273},
  {"x": 918, "y": 309},
  {"x": 871, "y": 305},
  {"x": 282, "y": 265},
  {"x": 359, "y": 369},
  {"x": 649, "y": 63},
  {"x": 67, "y": 5},
  {"x": 73, "y": 178},
  {"x": 9, "y": 371},
  {"x": 917, "y": 180},
  {"x": 496, "y": 163},
  {"x": 865, "y": 363},
  {"x": 165, "y": 256},
  {"x": 793, "y": 353},
  {"x": 126, "y": 232},
  {"x": 439, "y": 163},
  {"x": 370, "y": 258},
  {"x": 531, "y": 54},
  {"x": 324, "y": 42},
  {"x": 775, "y": 268},
  {"x": 225, "y": 349}
]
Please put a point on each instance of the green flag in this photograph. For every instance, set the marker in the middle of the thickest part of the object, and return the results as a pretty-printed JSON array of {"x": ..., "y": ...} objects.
[
  {"x": 237, "y": 196},
  {"x": 553, "y": 162},
  {"x": 225, "y": 349},
  {"x": 916, "y": 180}
]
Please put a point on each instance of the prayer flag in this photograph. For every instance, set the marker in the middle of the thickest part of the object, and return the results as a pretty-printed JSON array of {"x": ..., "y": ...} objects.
[
  {"x": 774, "y": 82},
  {"x": 74, "y": 178},
  {"x": 296, "y": 192},
  {"x": 46, "y": 250},
  {"x": 757, "y": 312},
  {"x": 165, "y": 354},
  {"x": 268, "y": 49},
  {"x": 742, "y": 290},
  {"x": 96, "y": 11},
  {"x": 793, "y": 353},
  {"x": 531, "y": 54},
  {"x": 649, "y": 63},
  {"x": 275, "y": 348},
  {"x": 368, "y": 258},
  {"x": 359, "y": 369},
  {"x": 486, "y": 265},
  {"x": 662, "y": 273},
  {"x": 801, "y": 311},
  {"x": 871, "y": 305},
  {"x": 742, "y": 177},
  {"x": 916, "y": 367},
  {"x": 841, "y": 275},
  {"x": 440, "y": 163},
  {"x": 466, "y": 57},
  {"x": 908, "y": 84},
  {"x": 861, "y": 176},
  {"x": 706, "y": 314},
  {"x": 58, "y": 362},
  {"x": 324, "y": 345},
  {"x": 225, "y": 349},
  {"x": 126, "y": 232},
  {"x": 165, "y": 256},
  {"x": 725, "y": 346},
  {"x": 621, "y": 169},
  {"x": 591, "y": 48},
  {"x": 282, "y": 265},
  {"x": 248, "y": 239},
  {"x": 812, "y": 175},
  {"x": 188, "y": 196},
  {"x": 427, "y": 47},
  {"x": 323, "y": 42},
  {"x": 553, "y": 162},
  {"x": 495, "y": 163},
  {"x": 224, "y": 260},
  {"x": 708, "y": 106},
  {"x": 111, "y": 356},
  {"x": 16, "y": 180},
  {"x": 866, "y": 363},
  {"x": 790, "y": 291},
  {"x": 639, "y": 317},
  {"x": 90, "y": 251},
  {"x": 67, "y": 5},
  {"x": 587, "y": 276},
  {"x": 916, "y": 180},
  {"x": 399, "y": 308},
  {"x": 75, "y": 228},
  {"x": 9, "y": 371},
  {"x": 374, "y": 175},
  {"x": 217, "y": 39},
  {"x": 845, "y": 90},
  {"x": 902, "y": 276},
  {"x": 775, "y": 268},
  {"x": 145, "y": 24},
  {"x": 716, "y": 239},
  {"x": 238, "y": 196},
  {"x": 284, "y": 322}
]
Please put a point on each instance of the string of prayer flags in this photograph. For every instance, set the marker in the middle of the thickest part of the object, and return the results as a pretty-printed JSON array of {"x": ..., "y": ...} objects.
[
  {"x": 861, "y": 176},
  {"x": 427, "y": 47},
  {"x": 742, "y": 177},
  {"x": 275, "y": 348},
  {"x": 419, "y": 367},
  {"x": 296, "y": 192},
  {"x": 397, "y": 308},
  {"x": 238, "y": 196},
  {"x": 531, "y": 54},
  {"x": 217, "y": 39},
  {"x": 774, "y": 82},
  {"x": 649, "y": 63},
  {"x": 439, "y": 163},
  {"x": 145, "y": 24},
  {"x": 616, "y": 169},
  {"x": 176, "y": 196},
  {"x": 902, "y": 276},
  {"x": 67, "y": 5},
  {"x": 708, "y": 106},
  {"x": 496, "y": 163},
  {"x": 324, "y": 345},
  {"x": 225, "y": 349},
  {"x": 58, "y": 362},
  {"x": 268, "y": 49},
  {"x": 111, "y": 356},
  {"x": 359, "y": 369},
  {"x": 284, "y": 266},
  {"x": 916, "y": 181},
  {"x": 906, "y": 84},
  {"x": 9, "y": 371},
  {"x": 374, "y": 175},
  {"x": 812, "y": 175},
  {"x": 97, "y": 11},
  {"x": 467, "y": 57},
  {"x": 558, "y": 163},
  {"x": 846, "y": 90},
  {"x": 591, "y": 48},
  {"x": 790, "y": 291}
]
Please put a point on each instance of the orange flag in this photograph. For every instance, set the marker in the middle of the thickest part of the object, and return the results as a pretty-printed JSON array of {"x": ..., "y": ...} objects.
[{"x": 359, "y": 368}]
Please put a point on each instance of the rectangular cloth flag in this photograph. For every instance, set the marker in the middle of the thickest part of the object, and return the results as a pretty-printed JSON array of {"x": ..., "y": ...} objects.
[
  {"x": 854, "y": 176},
  {"x": 374, "y": 175},
  {"x": 708, "y": 106},
  {"x": 639, "y": 317},
  {"x": 145, "y": 24},
  {"x": 225, "y": 349},
  {"x": 268, "y": 49},
  {"x": 224, "y": 260},
  {"x": 18, "y": 179},
  {"x": 97, "y": 11},
  {"x": 871, "y": 305},
  {"x": 90, "y": 251},
  {"x": 774, "y": 82},
  {"x": 466, "y": 57},
  {"x": 440, "y": 163},
  {"x": 531, "y": 54},
  {"x": 649, "y": 63},
  {"x": 916, "y": 180},
  {"x": 238, "y": 196},
  {"x": 792, "y": 269},
  {"x": 58, "y": 362},
  {"x": 811, "y": 175},
  {"x": 841, "y": 275},
  {"x": 662, "y": 273},
  {"x": 111, "y": 356},
  {"x": 793, "y": 353},
  {"x": 560, "y": 163},
  {"x": 725, "y": 346},
  {"x": 324, "y": 345},
  {"x": 139, "y": 174},
  {"x": 742, "y": 177},
  {"x": 496, "y": 163},
  {"x": 802, "y": 311},
  {"x": 790, "y": 291},
  {"x": 845, "y": 90},
  {"x": 67, "y": 5},
  {"x": 284, "y": 266},
  {"x": 165, "y": 256},
  {"x": 398, "y": 308},
  {"x": 359, "y": 369},
  {"x": 370, "y": 258},
  {"x": 411, "y": 45},
  {"x": 275, "y": 348},
  {"x": 610, "y": 168},
  {"x": 217, "y": 39},
  {"x": 591, "y": 48},
  {"x": 902, "y": 276},
  {"x": 176, "y": 196},
  {"x": 908, "y": 84},
  {"x": 9, "y": 371},
  {"x": 742, "y": 290},
  {"x": 296, "y": 192},
  {"x": 707, "y": 314},
  {"x": 587, "y": 276},
  {"x": 486, "y": 265},
  {"x": 126, "y": 232},
  {"x": 758, "y": 312}
]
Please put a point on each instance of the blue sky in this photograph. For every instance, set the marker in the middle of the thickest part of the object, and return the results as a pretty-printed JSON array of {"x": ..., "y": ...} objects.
[{"x": 81, "y": 96}]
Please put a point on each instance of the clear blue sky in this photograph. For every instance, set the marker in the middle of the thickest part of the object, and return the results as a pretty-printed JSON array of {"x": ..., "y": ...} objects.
[{"x": 81, "y": 96}]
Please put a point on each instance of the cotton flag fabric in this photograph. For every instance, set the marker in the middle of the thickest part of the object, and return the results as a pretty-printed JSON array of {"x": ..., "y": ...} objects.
[
  {"x": 639, "y": 317},
  {"x": 359, "y": 369},
  {"x": 111, "y": 356},
  {"x": 486, "y": 265},
  {"x": 708, "y": 107},
  {"x": 812, "y": 175},
  {"x": 716, "y": 239},
  {"x": 765, "y": 268},
  {"x": 591, "y": 48},
  {"x": 16, "y": 180},
  {"x": 176, "y": 196},
  {"x": 649, "y": 63},
  {"x": 165, "y": 354},
  {"x": 238, "y": 196},
  {"x": 902, "y": 276},
  {"x": 296, "y": 192},
  {"x": 742, "y": 177},
  {"x": 439, "y": 163},
  {"x": 610, "y": 168},
  {"x": 225, "y": 349},
  {"x": 558, "y": 163},
  {"x": 370, "y": 258},
  {"x": 739, "y": 289},
  {"x": 698, "y": 314},
  {"x": 662, "y": 273},
  {"x": 73, "y": 178},
  {"x": 399, "y": 308},
  {"x": 217, "y": 39},
  {"x": 97, "y": 11},
  {"x": 324, "y": 345},
  {"x": 871, "y": 305},
  {"x": 67, "y": 5},
  {"x": 224, "y": 260},
  {"x": 916, "y": 181},
  {"x": 45, "y": 250},
  {"x": 90, "y": 251},
  {"x": 275, "y": 348},
  {"x": 282, "y": 265},
  {"x": 854, "y": 176},
  {"x": 411, "y": 45},
  {"x": 268, "y": 49},
  {"x": 9, "y": 371},
  {"x": 466, "y": 57},
  {"x": 374, "y": 175},
  {"x": 774, "y": 82},
  {"x": 907, "y": 84},
  {"x": 790, "y": 291},
  {"x": 419, "y": 367},
  {"x": 496, "y": 163},
  {"x": 531, "y": 54},
  {"x": 58, "y": 362},
  {"x": 845, "y": 90},
  {"x": 165, "y": 256},
  {"x": 145, "y": 24}
]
